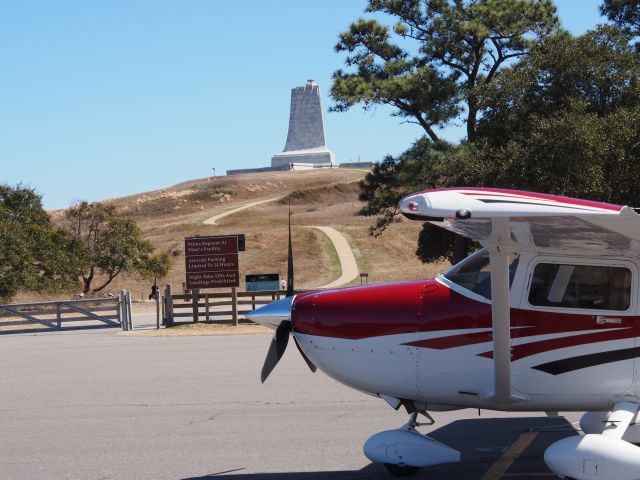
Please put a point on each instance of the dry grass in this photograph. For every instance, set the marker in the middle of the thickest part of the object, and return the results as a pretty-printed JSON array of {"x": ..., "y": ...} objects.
[
  {"x": 318, "y": 197},
  {"x": 390, "y": 256}
]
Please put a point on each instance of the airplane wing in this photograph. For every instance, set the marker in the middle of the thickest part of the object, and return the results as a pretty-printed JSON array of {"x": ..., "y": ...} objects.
[
  {"x": 538, "y": 222},
  {"x": 510, "y": 221}
]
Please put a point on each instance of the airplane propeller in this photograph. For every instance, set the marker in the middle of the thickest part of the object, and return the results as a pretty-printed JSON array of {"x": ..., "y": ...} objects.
[{"x": 278, "y": 315}]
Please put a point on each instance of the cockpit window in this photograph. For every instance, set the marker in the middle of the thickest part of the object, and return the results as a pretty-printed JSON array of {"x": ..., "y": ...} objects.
[
  {"x": 474, "y": 273},
  {"x": 597, "y": 287}
]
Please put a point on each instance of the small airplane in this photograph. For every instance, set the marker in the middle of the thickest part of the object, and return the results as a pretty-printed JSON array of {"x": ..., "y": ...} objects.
[{"x": 545, "y": 317}]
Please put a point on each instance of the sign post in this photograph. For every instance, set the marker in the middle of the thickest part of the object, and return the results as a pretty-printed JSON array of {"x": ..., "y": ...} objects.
[{"x": 211, "y": 262}]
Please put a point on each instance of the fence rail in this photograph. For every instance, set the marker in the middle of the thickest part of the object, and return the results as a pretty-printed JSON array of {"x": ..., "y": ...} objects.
[
  {"x": 61, "y": 314},
  {"x": 222, "y": 307}
]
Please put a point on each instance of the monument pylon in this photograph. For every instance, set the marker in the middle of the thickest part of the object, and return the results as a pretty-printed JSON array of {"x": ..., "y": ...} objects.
[{"x": 305, "y": 138}]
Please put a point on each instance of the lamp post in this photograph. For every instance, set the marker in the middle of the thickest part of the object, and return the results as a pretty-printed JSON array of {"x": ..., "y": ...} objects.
[{"x": 214, "y": 171}]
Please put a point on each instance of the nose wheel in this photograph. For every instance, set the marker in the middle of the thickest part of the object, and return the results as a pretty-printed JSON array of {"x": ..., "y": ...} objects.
[
  {"x": 401, "y": 470},
  {"x": 405, "y": 450}
]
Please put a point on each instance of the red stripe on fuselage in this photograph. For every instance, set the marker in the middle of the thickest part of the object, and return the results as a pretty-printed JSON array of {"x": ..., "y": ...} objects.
[
  {"x": 427, "y": 306},
  {"x": 533, "y": 348},
  {"x": 387, "y": 309}
]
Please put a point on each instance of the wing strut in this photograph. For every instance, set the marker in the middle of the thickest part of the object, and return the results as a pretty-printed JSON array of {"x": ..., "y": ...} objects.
[{"x": 500, "y": 246}]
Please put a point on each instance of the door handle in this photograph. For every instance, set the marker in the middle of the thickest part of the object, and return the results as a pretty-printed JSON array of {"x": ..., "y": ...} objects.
[{"x": 603, "y": 319}]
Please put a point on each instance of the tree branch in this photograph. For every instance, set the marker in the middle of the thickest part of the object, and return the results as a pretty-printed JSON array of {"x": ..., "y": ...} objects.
[
  {"x": 455, "y": 66},
  {"x": 421, "y": 121},
  {"x": 112, "y": 275}
]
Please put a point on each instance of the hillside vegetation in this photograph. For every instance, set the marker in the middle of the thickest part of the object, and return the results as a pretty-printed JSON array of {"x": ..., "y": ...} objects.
[{"x": 317, "y": 197}]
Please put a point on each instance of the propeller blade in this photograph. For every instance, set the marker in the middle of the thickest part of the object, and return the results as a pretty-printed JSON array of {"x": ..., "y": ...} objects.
[
  {"x": 276, "y": 349},
  {"x": 311, "y": 365}
]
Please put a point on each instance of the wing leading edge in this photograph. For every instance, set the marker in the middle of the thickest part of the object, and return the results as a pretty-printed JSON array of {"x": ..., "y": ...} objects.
[{"x": 539, "y": 222}]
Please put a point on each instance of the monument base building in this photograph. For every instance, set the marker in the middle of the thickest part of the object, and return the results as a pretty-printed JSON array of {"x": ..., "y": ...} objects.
[{"x": 316, "y": 156}]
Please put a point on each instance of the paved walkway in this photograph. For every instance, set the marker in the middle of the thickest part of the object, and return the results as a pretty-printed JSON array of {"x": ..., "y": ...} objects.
[
  {"x": 345, "y": 256},
  {"x": 215, "y": 218}
]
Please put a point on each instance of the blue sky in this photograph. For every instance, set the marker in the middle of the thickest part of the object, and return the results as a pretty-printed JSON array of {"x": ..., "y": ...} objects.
[{"x": 104, "y": 99}]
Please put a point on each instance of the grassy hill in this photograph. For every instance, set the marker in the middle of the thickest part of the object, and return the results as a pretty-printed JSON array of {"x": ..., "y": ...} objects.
[{"x": 318, "y": 197}]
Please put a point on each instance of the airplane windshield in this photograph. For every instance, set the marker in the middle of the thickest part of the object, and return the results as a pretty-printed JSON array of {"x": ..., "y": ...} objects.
[{"x": 474, "y": 273}]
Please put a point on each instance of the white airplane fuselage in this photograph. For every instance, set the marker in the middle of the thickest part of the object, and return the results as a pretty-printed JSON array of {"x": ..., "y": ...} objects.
[
  {"x": 545, "y": 318},
  {"x": 430, "y": 342}
]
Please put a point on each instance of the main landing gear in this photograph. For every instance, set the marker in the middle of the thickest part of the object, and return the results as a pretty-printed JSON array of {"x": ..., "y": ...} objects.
[{"x": 405, "y": 450}]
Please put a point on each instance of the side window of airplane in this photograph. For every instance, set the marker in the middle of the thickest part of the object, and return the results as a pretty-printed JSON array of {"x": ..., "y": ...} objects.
[
  {"x": 595, "y": 287},
  {"x": 474, "y": 273}
]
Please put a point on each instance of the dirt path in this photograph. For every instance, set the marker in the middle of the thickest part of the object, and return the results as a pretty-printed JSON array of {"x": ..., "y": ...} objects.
[
  {"x": 345, "y": 255},
  {"x": 215, "y": 218}
]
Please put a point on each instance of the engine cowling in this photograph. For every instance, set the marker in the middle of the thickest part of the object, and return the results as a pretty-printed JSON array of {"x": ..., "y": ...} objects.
[
  {"x": 408, "y": 447},
  {"x": 594, "y": 456}
]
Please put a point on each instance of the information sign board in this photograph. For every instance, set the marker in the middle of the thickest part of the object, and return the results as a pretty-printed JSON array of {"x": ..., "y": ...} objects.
[{"x": 211, "y": 262}]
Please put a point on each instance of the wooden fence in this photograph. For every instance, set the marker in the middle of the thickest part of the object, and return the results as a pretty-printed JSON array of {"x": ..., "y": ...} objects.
[
  {"x": 58, "y": 315},
  {"x": 222, "y": 307}
]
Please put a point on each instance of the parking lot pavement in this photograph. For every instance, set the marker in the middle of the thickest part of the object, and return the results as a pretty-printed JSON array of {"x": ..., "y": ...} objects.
[{"x": 103, "y": 405}]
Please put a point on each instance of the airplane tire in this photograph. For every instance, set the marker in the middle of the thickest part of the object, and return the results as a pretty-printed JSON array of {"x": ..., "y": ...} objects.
[{"x": 401, "y": 470}]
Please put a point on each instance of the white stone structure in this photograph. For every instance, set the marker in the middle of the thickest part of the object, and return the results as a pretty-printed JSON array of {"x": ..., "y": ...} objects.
[{"x": 305, "y": 139}]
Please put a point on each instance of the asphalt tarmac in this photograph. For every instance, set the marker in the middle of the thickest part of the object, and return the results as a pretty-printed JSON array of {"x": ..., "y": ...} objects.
[{"x": 97, "y": 404}]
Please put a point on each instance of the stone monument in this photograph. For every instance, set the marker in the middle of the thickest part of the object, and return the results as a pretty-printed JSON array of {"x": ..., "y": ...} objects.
[{"x": 305, "y": 139}]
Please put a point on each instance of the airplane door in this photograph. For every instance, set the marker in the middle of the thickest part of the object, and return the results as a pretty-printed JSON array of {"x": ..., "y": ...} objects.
[{"x": 575, "y": 333}]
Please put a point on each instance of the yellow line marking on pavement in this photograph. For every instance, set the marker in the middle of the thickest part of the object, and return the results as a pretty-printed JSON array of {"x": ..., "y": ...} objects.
[{"x": 499, "y": 468}]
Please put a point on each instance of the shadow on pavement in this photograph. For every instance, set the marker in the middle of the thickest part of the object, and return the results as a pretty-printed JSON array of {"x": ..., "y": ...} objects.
[{"x": 481, "y": 441}]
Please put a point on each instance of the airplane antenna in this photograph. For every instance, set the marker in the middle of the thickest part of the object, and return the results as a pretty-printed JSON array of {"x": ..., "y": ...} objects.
[{"x": 290, "y": 259}]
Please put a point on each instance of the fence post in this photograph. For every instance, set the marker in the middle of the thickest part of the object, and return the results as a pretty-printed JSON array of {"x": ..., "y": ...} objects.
[
  {"x": 206, "y": 307},
  {"x": 195, "y": 294},
  {"x": 123, "y": 307},
  {"x": 164, "y": 307},
  {"x": 163, "y": 310},
  {"x": 129, "y": 314},
  {"x": 119, "y": 311},
  {"x": 169, "y": 308},
  {"x": 234, "y": 306},
  {"x": 158, "y": 295},
  {"x": 59, "y": 315}
]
